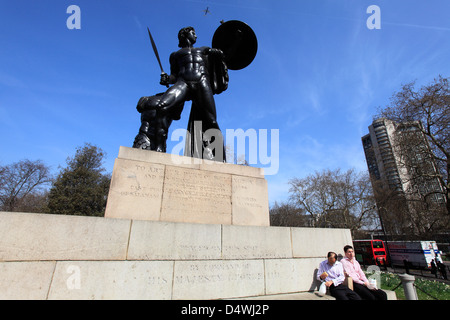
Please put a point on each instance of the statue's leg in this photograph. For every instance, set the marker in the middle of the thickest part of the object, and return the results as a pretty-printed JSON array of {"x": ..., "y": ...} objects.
[
  {"x": 162, "y": 129},
  {"x": 142, "y": 140},
  {"x": 213, "y": 146},
  {"x": 205, "y": 98},
  {"x": 174, "y": 96}
]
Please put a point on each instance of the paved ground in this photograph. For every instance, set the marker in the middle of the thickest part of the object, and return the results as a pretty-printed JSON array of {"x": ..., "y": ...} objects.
[
  {"x": 290, "y": 296},
  {"x": 304, "y": 296}
]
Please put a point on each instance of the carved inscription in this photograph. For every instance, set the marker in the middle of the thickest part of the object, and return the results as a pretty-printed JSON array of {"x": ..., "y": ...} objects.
[
  {"x": 251, "y": 251},
  {"x": 144, "y": 182},
  {"x": 183, "y": 252},
  {"x": 218, "y": 279},
  {"x": 156, "y": 280},
  {"x": 248, "y": 192},
  {"x": 136, "y": 190},
  {"x": 196, "y": 192},
  {"x": 259, "y": 243},
  {"x": 250, "y": 201},
  {"x": 199, "y": 251},
  {"x": 219, "y": 271}
]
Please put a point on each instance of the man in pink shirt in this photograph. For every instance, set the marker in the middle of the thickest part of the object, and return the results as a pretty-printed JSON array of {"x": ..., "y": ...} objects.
[{"x": 360, "y": 282}]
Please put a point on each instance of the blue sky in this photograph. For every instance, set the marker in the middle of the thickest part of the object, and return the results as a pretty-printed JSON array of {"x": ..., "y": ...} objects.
[{"x": 319, "y": 75}]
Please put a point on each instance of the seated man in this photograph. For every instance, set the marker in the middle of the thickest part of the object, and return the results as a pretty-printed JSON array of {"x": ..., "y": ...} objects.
[
  {"x": 360, "y": 282},
  {"x": 332, "y": 273}
]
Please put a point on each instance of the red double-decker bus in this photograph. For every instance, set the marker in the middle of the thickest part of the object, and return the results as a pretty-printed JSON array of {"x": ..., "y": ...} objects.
[{"x": 370, "y": 252}]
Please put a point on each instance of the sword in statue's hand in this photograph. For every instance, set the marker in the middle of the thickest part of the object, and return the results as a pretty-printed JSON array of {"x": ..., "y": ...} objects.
[{"x": 155, "y": 50}]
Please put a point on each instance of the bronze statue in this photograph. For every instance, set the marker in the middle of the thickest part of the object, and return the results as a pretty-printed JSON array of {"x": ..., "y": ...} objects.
[
  {"x": 196, "y": 74},
  {"x": 154, "y": 126}
]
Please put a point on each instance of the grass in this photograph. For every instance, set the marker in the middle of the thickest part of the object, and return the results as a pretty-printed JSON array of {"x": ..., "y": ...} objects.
[{"x": 436, "y": 289}]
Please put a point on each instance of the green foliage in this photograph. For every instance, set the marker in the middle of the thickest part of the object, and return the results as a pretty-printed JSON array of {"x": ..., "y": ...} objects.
[
  {"x": 391, "y": 281},
  {"x": 437, "y": 289},
  {"x": 81, "y": 188}
]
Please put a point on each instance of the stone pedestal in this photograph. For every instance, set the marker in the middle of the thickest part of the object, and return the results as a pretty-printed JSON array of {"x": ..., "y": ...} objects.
[{"x": 148, "y": 185}]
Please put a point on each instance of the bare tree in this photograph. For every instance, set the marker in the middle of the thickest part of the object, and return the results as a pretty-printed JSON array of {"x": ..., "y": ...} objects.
[
  {"x": 335, "y": 199},
  {"x": 288, "y": 215},
  {"x": 428, "y": 165},
  {"x": 23, "y": 185},
  {"x": 392, "y": 209}
]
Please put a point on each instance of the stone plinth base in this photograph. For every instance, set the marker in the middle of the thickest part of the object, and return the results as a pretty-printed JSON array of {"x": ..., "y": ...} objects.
[
  {"x": 73, "y": 257},
  {"x": 148, "y": 185}
]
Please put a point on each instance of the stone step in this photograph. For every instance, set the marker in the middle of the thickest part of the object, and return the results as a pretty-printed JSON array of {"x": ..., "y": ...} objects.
[{"x": 309, "y": 295}]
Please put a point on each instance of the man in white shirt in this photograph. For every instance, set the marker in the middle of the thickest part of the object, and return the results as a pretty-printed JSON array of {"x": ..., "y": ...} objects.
[
  {"x": 332, "y": 272},
  {"x": 360, "y": 282}
]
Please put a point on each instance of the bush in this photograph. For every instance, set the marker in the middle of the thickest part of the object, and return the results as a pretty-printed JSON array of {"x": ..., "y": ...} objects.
[{"x": 81, "y": 188}]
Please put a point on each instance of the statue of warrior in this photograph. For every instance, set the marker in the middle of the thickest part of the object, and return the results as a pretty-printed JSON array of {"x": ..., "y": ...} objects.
[{"x": 196, "y": 74}]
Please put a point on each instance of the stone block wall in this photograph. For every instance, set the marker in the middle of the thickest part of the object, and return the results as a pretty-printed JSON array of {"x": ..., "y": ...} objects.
[{"x": 46, "y": 256}]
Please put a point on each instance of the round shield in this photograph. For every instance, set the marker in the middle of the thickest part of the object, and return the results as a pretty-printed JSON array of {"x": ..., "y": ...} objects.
[{"x": 238, "y": 43}]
